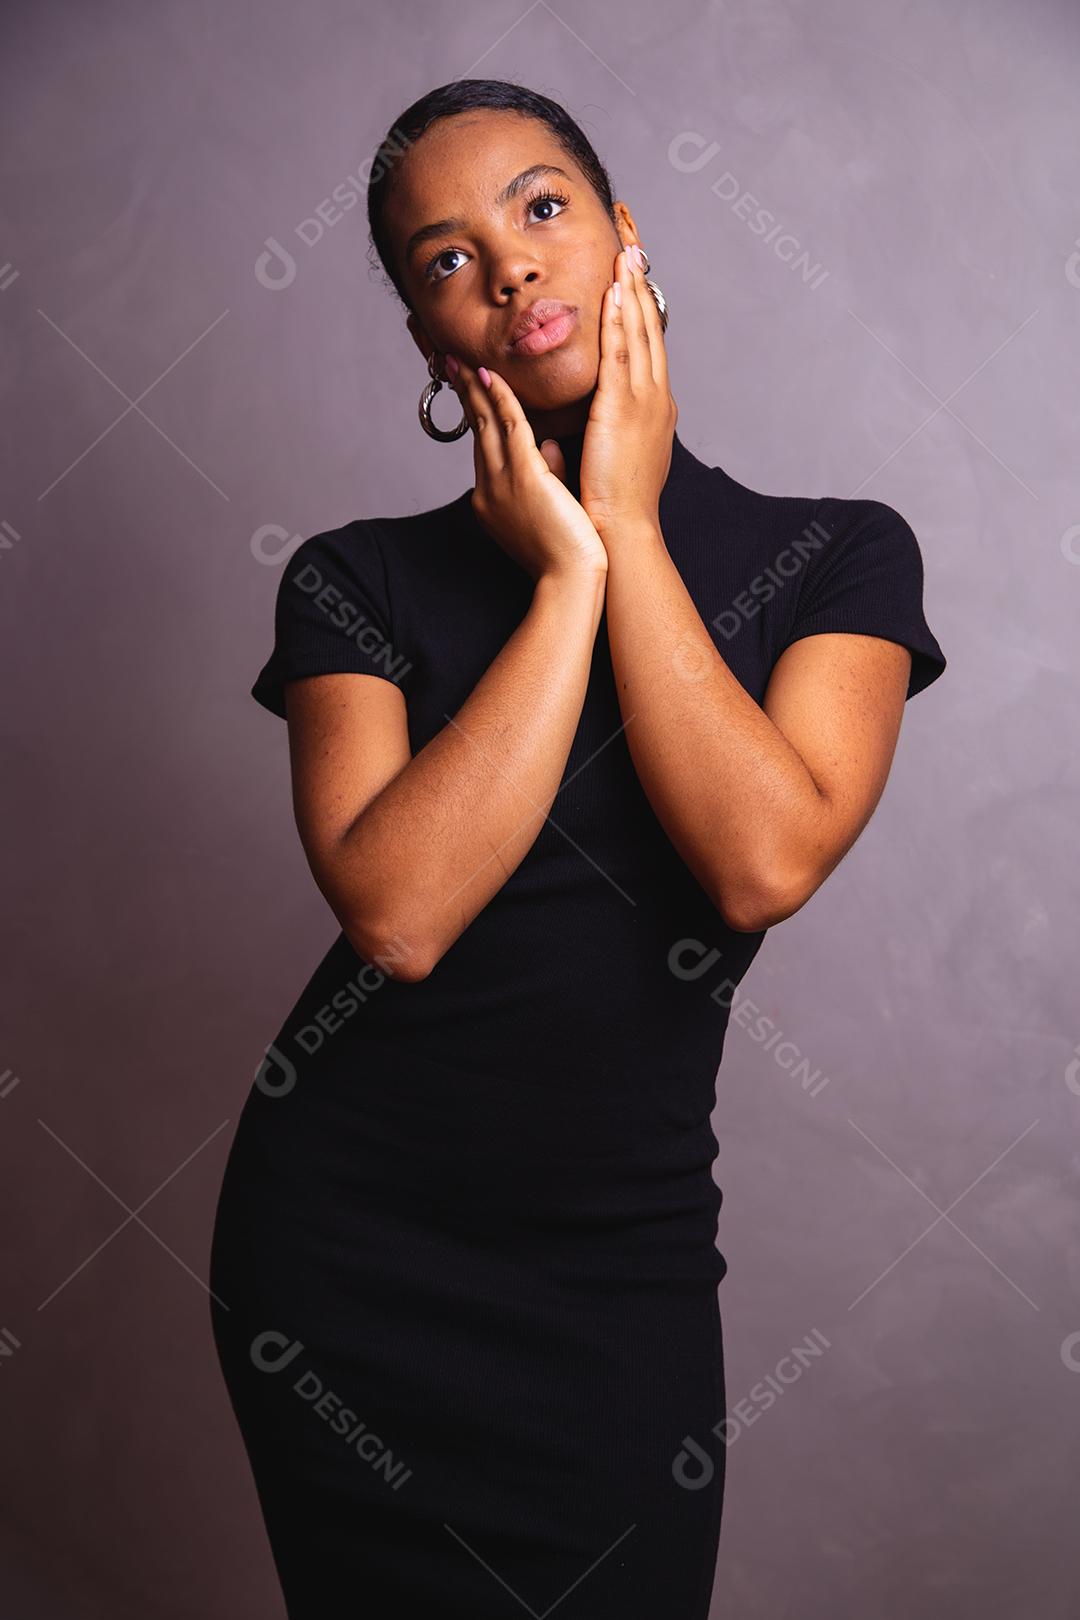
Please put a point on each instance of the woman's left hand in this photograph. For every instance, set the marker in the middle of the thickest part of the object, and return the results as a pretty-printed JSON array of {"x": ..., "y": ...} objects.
[{"x": 626, "y": 451}]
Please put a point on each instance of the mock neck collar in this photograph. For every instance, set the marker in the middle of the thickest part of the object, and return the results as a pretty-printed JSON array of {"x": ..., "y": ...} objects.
[{"x": 685, "y": 479}]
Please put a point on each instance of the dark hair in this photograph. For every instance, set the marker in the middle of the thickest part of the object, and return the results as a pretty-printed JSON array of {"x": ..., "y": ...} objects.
[{"x": 462, "y": 95}]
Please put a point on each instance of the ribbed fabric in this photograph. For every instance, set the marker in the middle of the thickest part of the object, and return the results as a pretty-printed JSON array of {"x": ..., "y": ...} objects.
[{"x": 482, "y": 1205}]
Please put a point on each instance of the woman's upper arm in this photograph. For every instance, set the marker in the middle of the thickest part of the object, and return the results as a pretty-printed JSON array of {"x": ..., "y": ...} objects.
[
  {"x": 839, "y": 700},
  {"x": 855, "y": 647},
  {"x": 348, "y": 737}
]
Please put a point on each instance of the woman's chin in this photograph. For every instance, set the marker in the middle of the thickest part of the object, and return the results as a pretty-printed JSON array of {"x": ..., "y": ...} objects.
[{"x": 563, "y": 382}]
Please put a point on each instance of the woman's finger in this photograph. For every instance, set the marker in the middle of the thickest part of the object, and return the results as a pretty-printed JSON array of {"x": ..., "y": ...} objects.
[
  {"x": 551, "y": 450},
  {"x": 482, "y": 418},
  {"x": 633, "y": 323},
  {"x": 614, "y": 348},
  {"x": 460, "y": 374},
  {"x": 650, "y": 316},
  {"x": 518, "y": 439}
]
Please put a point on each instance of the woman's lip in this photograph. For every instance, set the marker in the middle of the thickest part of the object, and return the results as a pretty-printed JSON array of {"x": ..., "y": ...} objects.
[{"x": 548, "y": 336}]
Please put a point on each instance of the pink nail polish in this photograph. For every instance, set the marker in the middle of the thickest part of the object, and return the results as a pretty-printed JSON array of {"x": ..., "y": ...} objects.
[
  {"x": 485, "y": 376},
  {"x": 618, "y": 294}
]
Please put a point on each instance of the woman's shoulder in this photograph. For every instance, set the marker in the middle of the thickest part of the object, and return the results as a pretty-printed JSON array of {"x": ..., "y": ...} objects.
[
  {"x": 812, "y": 524},
  {"x": 362, "y": 547}
]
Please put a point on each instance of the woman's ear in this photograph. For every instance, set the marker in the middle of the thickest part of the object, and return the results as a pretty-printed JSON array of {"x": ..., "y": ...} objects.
[
  {"x": 419, "y": 336},
  {"x": 624, "y": 224}
]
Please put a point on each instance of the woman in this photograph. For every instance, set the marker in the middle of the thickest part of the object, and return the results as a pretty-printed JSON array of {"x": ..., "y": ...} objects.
[{"x": 562, "y": 750}]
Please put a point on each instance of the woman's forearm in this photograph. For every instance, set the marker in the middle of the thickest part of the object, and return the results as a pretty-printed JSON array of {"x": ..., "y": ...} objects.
[{"x": 443, "y": 836}]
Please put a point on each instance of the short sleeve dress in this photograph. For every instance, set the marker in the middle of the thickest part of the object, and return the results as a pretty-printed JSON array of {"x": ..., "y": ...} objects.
[{"x": 464, "y": 1265}]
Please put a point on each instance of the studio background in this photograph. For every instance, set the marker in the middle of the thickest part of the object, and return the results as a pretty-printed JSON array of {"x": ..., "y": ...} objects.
[{"x": 867, "y": 225}]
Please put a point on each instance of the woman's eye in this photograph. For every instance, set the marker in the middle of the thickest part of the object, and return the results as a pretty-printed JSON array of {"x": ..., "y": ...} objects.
[
  {"x": 548, "y": 197},
  {"x": 437, "y": 261},
  {"x": 544, "y": 200}
]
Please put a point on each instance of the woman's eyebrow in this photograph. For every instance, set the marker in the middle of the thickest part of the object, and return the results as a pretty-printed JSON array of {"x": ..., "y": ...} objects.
[{"x": 512, "y": 189}]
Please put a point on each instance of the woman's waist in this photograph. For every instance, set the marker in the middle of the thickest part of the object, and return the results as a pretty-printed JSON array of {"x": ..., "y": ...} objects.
[
  {"x": 621, "y": 1020},
  {"x": 573, "y": 1178}
]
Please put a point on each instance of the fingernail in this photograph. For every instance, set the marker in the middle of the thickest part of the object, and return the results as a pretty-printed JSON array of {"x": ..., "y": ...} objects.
[
  {"x": 637, "y": 257},
  {"x": 484, "y": 375},
  {"x": 452, "y": 367},
  {"x": 617, "y": 289}
]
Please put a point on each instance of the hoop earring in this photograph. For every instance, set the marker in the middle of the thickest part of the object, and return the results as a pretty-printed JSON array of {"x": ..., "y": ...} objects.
[
  {"x": 658, "y": 298},
  {"x": 430, "y": 390}
]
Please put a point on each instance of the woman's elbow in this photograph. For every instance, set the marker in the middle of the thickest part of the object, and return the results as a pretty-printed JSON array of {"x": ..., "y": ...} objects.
[
  {"x": 400, "y": 954},
  {"x": 753, "y": 906}
]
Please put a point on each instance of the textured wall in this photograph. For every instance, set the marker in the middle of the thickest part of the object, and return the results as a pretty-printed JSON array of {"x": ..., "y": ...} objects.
[{"x": 901, "y": 322}]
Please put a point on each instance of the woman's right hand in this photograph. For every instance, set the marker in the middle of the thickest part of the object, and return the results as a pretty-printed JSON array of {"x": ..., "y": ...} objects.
[{"x": 519, "y": 496}]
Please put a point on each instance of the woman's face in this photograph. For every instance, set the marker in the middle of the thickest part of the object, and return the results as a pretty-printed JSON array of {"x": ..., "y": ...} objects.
[{"x": 473, "y": 260}]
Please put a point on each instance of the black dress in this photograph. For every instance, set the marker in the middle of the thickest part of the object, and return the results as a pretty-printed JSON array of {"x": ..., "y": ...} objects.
[{"x": 464, "y": 1264}]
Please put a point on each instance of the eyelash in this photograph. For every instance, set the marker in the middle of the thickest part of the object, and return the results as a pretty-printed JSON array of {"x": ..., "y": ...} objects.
[{"x": 530, "y": 204}]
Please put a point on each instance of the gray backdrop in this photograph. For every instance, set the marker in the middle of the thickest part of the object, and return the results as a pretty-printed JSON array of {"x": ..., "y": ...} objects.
[{"x": 867, "y": 224}]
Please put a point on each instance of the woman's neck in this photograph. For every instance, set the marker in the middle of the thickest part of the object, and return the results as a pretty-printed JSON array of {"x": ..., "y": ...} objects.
[
  {"x": 571, "y": 445},
  {"x": 567, "y": 421}
]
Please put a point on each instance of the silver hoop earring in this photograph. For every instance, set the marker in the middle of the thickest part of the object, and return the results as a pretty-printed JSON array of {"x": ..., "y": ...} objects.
[
  {"x": 430, "y": 390},
  {"x": 658, "y": 298}
]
